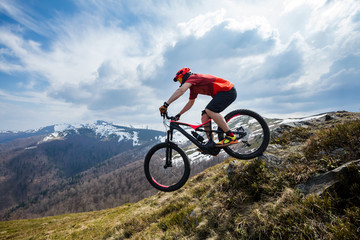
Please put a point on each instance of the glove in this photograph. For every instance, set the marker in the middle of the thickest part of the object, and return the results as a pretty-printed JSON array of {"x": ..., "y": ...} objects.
[
  {"x": 163, "y": 108},
  {"x": 177, "y": 117}
]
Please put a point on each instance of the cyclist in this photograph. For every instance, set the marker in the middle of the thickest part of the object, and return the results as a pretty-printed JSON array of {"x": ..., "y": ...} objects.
[{"x": 222, "y": 91}]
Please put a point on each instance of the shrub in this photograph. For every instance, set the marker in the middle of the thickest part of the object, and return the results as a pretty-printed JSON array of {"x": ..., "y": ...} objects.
[
  {"x": 336, "y": 145},
  {"x": 297, "y": 134}
]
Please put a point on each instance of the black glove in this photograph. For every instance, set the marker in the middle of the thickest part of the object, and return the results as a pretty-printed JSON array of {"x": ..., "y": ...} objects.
[
  {"x": 163, "y": 108},
  {"x": 177, "y": 117}
]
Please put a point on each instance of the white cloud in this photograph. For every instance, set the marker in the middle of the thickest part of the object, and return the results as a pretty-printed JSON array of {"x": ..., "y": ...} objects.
[
  {"x": 117, "y": 59},
  {"x": 201, "y": 24}
]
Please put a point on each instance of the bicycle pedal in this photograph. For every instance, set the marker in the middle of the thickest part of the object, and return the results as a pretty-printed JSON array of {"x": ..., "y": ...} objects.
[{"x": 201, "y": 151}]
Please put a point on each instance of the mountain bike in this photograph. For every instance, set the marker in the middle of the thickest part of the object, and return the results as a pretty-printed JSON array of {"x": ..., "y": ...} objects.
[{"x": 166, "y": 165}]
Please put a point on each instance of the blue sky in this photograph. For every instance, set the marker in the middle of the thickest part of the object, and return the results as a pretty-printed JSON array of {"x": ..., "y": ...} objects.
[{"x": 65, "y": 61}]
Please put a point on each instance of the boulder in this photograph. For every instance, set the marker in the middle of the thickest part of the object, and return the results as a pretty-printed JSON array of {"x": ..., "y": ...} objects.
[{"x": 318, "y": 184}]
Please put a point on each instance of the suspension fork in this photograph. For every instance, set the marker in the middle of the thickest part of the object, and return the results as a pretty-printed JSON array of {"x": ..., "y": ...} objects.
[{"x": 168, "y": 162}]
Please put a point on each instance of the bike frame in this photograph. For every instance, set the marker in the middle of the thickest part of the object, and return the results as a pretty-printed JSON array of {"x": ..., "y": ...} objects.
[{"x": 208, "y": 148}]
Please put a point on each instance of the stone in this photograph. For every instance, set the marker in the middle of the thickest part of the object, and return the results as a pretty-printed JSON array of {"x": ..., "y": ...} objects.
[
  {"x": 270, "y": 159},
  {"x": 318, "y": 184}
]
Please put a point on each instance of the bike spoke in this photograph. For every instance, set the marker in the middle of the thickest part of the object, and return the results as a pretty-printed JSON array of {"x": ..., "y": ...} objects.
[
  {"x": 166, "y": 175},
  {"x": 250, "y": 130}
]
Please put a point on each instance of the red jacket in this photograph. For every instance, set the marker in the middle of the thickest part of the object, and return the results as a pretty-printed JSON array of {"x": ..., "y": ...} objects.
[{"x": 207, "y": 84}]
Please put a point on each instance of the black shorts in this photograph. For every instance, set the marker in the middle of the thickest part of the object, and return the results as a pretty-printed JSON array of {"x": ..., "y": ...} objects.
[{"x": 222, "y": 100}]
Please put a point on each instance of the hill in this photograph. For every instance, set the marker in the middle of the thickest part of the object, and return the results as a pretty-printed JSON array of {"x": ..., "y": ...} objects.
[
  {"x": 71, "y": 168},
  {"x": 306, "y": 186}
]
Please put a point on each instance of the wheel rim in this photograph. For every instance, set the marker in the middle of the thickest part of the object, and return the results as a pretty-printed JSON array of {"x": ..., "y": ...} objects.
[
  {"x": 249, "y": 132},
  {"x": 166, "y": 176}
]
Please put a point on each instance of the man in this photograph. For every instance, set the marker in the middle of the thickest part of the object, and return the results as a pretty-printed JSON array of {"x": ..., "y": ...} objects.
[{"x": 222, "y": 91}]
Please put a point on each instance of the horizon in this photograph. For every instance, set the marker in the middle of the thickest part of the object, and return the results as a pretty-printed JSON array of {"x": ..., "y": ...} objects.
[
  {"x": 79, "y": 61},
  {"x": 146, "y": 127}
]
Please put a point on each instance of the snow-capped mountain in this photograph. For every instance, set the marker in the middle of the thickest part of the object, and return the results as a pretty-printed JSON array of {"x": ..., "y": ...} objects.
[
  {"x": 63, "y": 152},
  {"x": 105, "y": 131},
  {"x": 100, "y": 129}
]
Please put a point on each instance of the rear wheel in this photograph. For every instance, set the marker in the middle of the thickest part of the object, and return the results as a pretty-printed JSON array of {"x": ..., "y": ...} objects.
[
  {"x": 252, "y": 133},
  {"x": 167, "y": 167}
]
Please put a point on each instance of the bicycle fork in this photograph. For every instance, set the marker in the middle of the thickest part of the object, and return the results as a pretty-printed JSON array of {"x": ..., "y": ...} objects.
[{"x": 168, "y": 161}]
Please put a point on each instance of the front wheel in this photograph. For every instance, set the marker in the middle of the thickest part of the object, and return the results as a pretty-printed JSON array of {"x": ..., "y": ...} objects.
[
  {"x": 167, "y": 167},
  {"x": 251, "y": 131}
]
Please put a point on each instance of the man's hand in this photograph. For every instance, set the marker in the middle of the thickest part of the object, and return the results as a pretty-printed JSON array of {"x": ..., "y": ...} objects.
[
  {"x": 177, "y": 117},
  {"x": 163, "y": 108}
]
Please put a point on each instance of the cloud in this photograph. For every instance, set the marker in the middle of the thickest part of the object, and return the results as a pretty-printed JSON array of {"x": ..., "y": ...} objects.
[
  {"x": 356, "y": 17},
  {"x": 90, "y": 64},
  {"x": 84, "y": 59},
  {"x": 211, "y": 43},
  {"x": 337, "y": 89},
  {"x": 116, "y": 59},
  {"x": 343, "y": 77},
  {"x": 229, "y": 43},
  {"x": 284, "y": 64}
]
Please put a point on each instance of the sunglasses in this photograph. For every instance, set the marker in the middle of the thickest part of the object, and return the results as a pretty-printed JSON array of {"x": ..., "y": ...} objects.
[{"x": 178, "y": 76}]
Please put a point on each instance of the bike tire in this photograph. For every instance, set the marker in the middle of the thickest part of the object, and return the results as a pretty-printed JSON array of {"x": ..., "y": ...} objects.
[
  {"x": 257, "y": 134},
  {"x": 171, "y": 178}
]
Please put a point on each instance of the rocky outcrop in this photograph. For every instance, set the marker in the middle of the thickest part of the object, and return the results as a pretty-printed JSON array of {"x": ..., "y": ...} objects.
[
  {"x": 318, "y": 184},
  {"x": 301, "y": 122}
]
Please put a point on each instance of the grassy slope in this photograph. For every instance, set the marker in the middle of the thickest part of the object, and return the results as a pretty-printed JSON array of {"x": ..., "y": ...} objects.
[
  {"x": 256, "y": 200},
  {"x": 155, "y": 214}
]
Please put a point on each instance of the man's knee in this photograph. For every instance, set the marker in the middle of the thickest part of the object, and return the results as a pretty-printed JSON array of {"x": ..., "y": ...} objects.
[
  {"x": 207, "y": 111},
  {"x": 210, "y": 113},
  {"x": 204, "y": 116},
  {"x": 204, "y": 113}
]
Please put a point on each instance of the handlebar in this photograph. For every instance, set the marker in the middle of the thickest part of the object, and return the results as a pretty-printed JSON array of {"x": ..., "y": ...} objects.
[{"x": 165, "y": 115}]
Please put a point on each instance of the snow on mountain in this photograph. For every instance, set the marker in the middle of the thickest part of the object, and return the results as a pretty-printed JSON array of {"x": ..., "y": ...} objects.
[
  {"x": 102, "y": 130},
  {"x": 291, "y": 120}
]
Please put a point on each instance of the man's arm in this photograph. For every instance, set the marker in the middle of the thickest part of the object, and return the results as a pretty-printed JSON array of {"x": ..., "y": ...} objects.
[
  {"x": 178, "y": 93},
  {"x": 187, "y": 106}
]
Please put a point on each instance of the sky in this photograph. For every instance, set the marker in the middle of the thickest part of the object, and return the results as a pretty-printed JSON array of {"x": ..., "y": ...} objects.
[{"x": 79, "y": 61}]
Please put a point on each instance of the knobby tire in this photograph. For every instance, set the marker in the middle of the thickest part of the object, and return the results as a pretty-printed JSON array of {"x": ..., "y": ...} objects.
[
  {"x": 257, "y": 131},
  {"x": 171, "y": 178}
]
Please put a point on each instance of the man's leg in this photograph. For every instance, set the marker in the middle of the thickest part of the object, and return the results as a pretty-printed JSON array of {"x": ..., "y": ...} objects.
[
  {"x": 218, "y": 119},
  {"x": 205, "y": 118},
  {"x": 218, "y": 104}
]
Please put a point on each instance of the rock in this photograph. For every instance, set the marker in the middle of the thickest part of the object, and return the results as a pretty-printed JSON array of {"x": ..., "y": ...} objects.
[
  {"x": 318, "y": 184},
  {"x": 328, "y": 117},
  {"x": 191, "y": 219},
  {"x": 338, "y": 152},
  {"x": 276, "y": 133},
  {"x": 289, "y": 125},
  {"x": 274, "y": 147},
  {"x": 270, "y": 159},
  {"x": 231, "y": 168}
]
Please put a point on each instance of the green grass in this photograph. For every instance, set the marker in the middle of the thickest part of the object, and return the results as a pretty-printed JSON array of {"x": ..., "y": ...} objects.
[
  {"x": 335, "y": 145},
  {"x": 297, "y": 134}
]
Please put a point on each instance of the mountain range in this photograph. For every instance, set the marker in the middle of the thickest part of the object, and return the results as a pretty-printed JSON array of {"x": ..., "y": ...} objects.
[{"x": 43, "y": 170}]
